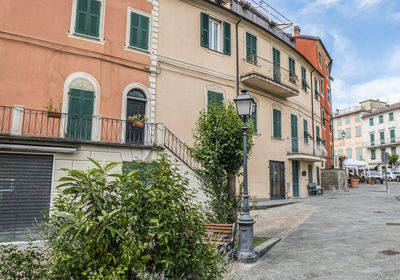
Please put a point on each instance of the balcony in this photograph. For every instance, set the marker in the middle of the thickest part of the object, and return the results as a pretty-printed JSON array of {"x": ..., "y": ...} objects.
[
  {"x": 262, "y": 74},
  {"x": 306, "y": 149},
  {"x": 18, "y": 121},
  {"x": 381, "y": 143}
]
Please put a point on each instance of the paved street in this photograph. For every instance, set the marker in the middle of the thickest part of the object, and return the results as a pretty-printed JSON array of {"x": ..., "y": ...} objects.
[{"x": 342, "y": 238}]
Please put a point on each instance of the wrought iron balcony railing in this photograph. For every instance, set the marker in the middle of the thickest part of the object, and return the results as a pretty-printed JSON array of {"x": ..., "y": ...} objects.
[
  {"x": 307, "y": 146},
  {"x": 262, "y": 73}
]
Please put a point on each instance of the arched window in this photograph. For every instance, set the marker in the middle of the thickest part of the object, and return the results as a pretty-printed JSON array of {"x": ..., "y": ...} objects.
[{"x": 135, "y": 107}]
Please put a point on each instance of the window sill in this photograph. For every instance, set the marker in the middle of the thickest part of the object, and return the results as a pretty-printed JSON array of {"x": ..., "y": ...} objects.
[
  {"x": 216, "y": 52},
  {"x": 86, "y": 38},
  {"x": 276, "y": 139},
  {"x": 136, "y": 50}
]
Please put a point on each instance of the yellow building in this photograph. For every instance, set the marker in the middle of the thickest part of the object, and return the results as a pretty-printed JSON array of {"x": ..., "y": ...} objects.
[{"x": 213, "y": 49}]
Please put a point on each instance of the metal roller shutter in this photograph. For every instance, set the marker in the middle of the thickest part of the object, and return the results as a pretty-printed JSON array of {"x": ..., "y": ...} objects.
[{"x": 25, "y": 190}]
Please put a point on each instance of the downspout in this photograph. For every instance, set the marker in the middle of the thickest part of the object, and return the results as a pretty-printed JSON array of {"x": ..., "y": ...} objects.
[
  {"x": 312, "y": 110},
  {"x": 237, "y": 56}
]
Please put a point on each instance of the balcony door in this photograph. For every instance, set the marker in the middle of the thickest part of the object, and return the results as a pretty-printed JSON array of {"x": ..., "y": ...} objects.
[
  {"x": 136, "y": 105},
  {"x": 295, "y": 177},
  {"x": 80, "y": 112}
]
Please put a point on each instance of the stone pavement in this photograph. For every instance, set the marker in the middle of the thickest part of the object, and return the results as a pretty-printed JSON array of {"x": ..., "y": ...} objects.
[{"x": 344, "y": 237}]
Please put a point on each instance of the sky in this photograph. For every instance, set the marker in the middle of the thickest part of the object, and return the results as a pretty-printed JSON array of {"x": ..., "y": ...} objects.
[{"x": 363, "y": 39}]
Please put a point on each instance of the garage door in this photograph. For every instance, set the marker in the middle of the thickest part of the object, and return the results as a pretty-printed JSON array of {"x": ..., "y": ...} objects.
[{"x": 25, "y": 190}]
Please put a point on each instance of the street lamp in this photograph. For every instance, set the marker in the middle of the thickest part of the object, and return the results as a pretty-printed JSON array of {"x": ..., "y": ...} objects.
[
  {"x": 343, "y": 134},
  {"x": 245, "y": 106}
]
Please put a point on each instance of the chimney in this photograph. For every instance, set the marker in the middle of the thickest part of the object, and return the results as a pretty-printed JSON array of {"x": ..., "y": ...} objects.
[{"x": 296, "y": 30}]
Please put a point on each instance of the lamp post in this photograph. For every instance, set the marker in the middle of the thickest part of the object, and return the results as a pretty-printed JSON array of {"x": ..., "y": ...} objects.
[
  {"x": 245, "y": 106},
  {"x": 343, "y": 134}
]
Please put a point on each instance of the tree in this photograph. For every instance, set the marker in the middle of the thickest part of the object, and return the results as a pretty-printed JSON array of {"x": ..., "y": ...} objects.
[
  {"x": 393, "y": 158},
  {"x": 218, "y": 147}
]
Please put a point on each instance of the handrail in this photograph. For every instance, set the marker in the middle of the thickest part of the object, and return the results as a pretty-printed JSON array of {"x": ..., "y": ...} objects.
[
  {"x": 180, "y": 149},
  {"x": 5, "y": 119}
]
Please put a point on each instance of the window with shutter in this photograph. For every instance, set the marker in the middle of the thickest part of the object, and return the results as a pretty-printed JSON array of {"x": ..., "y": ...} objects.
[
  {"x": 88, "y": 17},
  {"x": 373, "y": 154},
  {"x": 80, "y": 112},
  {"x": 251, "y": 48},
  {"x": 318, "y": 176},
  {"x": 276, "y": 65},
  {"x": 215, "y": 97},
  {"x": 382, "y": 137},
  {"x": 277, "y": 129},
  {"x": 372, "y": 139},
  {"x": 391, "y": 116},
  {"x": 139, "y": 31},
  {"x": 381, "y": 119},
  {"x": 316, "y": 89},
  {"x": 304, "y": 84},
  {"x": 392, "y": 136},
  {"x": 292, "y": 66}
]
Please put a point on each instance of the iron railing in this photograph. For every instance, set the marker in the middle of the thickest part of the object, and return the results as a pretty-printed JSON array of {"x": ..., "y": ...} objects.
[
  {"x": 301, "y": 145},
  {"x": 347, "y": 110},
  {"x": 44, "y": 124},
  {"x": 266, "y": 68},
  {"x": 180, "y": 149},
  {"x": 5, "y": 119}
]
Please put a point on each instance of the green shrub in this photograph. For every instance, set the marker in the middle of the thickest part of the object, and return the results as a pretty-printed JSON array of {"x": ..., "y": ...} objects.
[
  {"x": 113, "y": 226},
  {"x": 23, "y": 263}
]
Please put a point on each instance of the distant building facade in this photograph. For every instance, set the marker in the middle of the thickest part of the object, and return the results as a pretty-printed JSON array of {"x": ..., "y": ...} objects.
[
  {"x": 349, "y": 123},
  {"x": 381, "y": 133},
  {"x": 313, "y": 48}
]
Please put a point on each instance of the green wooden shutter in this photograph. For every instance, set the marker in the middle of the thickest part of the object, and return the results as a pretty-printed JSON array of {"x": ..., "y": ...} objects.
[
  {"x": 254, "y": 48},
  {"x": 277, "y": 130},
  {"x": 88, "y": 17},
  {"x": 305, "y": 124},
  {"x": 276, "y": 65},
  {"x": 292, "y": 67},
  {"x": 144, "y": 32},
  {"x": 80, "y": 111},
  {"x": 216, "y": 97},
  {"x": 227, "y": 38},
  {"x": 294, "y": 133},
  {"x": 318, "y": 176},
  {"x": 318, "y": 137},
  {"x": 139, "y": 36},
  {"x": 94, "y": 18},
  {"x": 254, "y": 117},
  {"x": 251, "y": 48},
  {"x": 204, "y": 32},
  {"x": 81, "y": 16},
  {"x": 248, "y": 48},
  {"x": 392, "y": 136}
]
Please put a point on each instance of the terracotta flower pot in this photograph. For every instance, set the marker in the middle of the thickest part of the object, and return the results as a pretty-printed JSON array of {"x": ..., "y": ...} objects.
[
  {"x": 137, "y": 124},
  {"x": 354, "y": 182},
  {"x": 54, "y": 114},
  {"x": 372, "y": 182}
]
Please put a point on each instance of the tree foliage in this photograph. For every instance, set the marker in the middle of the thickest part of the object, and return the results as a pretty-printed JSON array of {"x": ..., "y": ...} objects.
[
  {"x": 218, "y": 146},
  {"x": 393, "y": 158}
]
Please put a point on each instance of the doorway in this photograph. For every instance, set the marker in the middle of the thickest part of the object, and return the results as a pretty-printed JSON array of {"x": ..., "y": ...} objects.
[
  {"x": 277, "y": 179},
  {"x": 295, "y": 178},
  {"x": 136, "y": 105},
  {"x": 310, "y": 174}
]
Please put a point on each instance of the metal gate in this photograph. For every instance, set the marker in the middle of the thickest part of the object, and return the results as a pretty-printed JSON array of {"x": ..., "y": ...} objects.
[{"x": 25, "y": 191}]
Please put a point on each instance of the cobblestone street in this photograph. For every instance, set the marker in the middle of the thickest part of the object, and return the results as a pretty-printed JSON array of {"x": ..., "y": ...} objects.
[{"x": 345, "y": 236}]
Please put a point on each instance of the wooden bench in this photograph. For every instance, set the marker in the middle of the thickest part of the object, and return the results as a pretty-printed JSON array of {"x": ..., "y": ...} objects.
[
  {"x": 221, "y": 234},
  {"x": 313, "y": 190}
]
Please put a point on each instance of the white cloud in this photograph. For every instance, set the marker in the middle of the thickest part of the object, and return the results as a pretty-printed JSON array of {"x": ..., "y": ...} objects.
[
  {"x": 366, "y": 4},
  {"x": 383, "y": 89},
  {"x": 314, "y": 7}
]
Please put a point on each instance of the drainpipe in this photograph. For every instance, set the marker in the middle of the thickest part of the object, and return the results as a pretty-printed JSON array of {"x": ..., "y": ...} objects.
[
  {"x": 237, "y": 56},
  {"x": 312, "y": 110}
]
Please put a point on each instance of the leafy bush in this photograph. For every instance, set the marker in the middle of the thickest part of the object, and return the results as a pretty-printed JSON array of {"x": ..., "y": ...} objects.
[
  {"x": 113, "y": 226},
  {"x": 29, "y": 263}
]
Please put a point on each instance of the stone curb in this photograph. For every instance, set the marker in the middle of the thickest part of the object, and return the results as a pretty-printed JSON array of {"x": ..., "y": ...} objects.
[
  {"x": 261, "y": 249},
  {"x": 266, "y": 206}
]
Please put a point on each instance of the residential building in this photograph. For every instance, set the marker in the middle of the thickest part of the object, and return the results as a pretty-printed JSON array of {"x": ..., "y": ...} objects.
[
  {"x": 350, "y": 121},
  {"x": 314, "y": 50},
  {"x": 223, "y": 47},
  {"x": 381, "y": 133},
  {"x": 95, "y": 63}
]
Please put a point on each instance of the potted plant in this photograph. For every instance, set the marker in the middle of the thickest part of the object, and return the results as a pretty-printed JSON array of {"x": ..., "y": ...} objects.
[
  {"x": 341, "y": 159},
  {"x": 368, "y": 180},
  {"x": 51, "y": 112},
  {"x": 354, "y": 181},
  {"x": 137, "y": 120},
  {"x": 373, "y": 180},
  {"x": 245, "y": 4}
]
